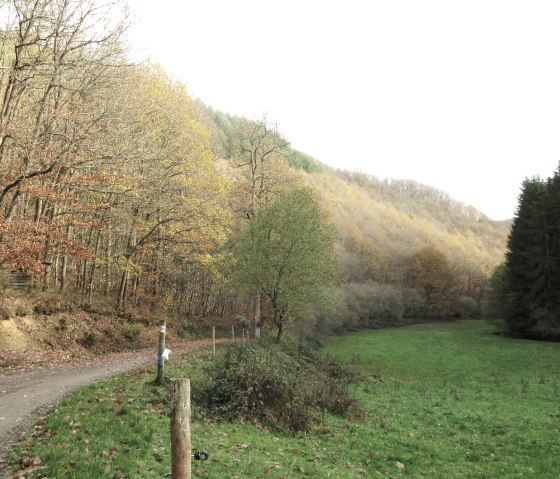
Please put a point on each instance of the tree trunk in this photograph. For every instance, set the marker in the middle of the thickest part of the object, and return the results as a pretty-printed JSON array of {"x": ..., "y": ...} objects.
[
  {"x": 63, "y": 273},
  {"x": 257, "y": 316},
  {"x": 122, "y": 289},
  {"x": 279, "y": 330}
]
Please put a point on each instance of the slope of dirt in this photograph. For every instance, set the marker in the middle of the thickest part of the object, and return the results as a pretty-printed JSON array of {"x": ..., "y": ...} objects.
[
  {"x": 27, "y": 395},
  {"x": 39, "y": 340}
]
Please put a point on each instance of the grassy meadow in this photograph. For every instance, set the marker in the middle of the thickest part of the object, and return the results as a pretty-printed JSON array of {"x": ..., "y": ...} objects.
[{"x": 441, "y": 401}]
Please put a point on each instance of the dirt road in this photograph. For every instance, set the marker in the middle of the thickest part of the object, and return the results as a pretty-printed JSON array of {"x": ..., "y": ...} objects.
[{"x": 25, "y": 396}]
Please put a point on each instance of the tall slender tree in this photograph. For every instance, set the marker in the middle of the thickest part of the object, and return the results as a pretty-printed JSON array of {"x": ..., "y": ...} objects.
[
  {"x": 531, "y": 292},
  {"x": 286, "y": 255},
  {"x": 258, "y": 155}
]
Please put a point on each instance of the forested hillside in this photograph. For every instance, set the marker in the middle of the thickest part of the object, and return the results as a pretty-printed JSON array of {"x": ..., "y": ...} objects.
[
  {"x": 381, "y": 227},
  {"x": 118, "y": 189},
  {"x": 384, "y": 225}
]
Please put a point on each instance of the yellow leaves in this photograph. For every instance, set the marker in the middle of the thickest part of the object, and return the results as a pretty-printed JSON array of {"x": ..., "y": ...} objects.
[
  {"x": 122, "y": 264},
  {"x": 378, "y": 223}
]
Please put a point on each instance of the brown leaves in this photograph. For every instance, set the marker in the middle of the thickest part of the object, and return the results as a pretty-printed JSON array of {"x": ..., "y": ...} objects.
[
  {"x": 261, "y": 427},
  {"x": 109, "y": 452},
  {"x": 23, "y": 242},
  {"x": 271, "y": 468},
  {"x": 33, "y": 462},
  {"x": 49, "y": 194}
]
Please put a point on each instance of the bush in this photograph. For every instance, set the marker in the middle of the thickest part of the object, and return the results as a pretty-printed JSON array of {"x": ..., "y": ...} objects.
[
  {"x": 376, "y": 305},
  {"x": 23, "y": 310},
  {"x": 468, "y": 307},
  {"x": 51, "y": 303},
  {"x": 6, "y": 312},
  {"x": 89, "y": 340},
  {"x": 132, "y": 334},
  {"x": 283, "y": 387}
]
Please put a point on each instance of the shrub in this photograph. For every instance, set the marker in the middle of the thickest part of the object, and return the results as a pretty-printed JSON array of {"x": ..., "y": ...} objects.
[
  {"x": 131, "y": 333},
  {"x": 88, "y": 341},
  {"x": 6, "y": 312},
  {"x": 51, "y": 303},
  {"x": 284, "y": 387},
  {"x": 374, "y": 305},
  {"x": 468, "y": 307},
  {"x": 23, "y": 310}
]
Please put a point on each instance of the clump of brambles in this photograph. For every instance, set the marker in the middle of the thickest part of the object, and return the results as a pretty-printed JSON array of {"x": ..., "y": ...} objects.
[{"x": 285, "y": 386}]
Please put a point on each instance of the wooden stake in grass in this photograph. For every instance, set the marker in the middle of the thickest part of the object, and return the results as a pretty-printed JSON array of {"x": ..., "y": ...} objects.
[
  {"x": 160, "y": 359},
  {"x": 214, "y": 339},
  {"x": 232, "y": 332},
  {"x": 181, "y": 445}
]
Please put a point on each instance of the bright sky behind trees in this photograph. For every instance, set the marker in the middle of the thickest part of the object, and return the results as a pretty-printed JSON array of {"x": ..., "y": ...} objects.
[{"x": 463, "y": 96}]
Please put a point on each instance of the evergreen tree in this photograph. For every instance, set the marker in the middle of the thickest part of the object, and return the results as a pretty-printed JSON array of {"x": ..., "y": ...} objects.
[
  {"x": 553, "y": 243},
  {"x": 531, "y": 295}
]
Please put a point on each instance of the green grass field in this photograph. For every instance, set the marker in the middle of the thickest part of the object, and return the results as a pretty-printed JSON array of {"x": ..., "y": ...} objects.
[
  {"x": 457, "y": 401},
  {"x": 443, "y": 401}
]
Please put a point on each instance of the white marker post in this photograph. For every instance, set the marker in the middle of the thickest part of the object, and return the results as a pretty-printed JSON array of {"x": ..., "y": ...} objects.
[
  {"x": 214, "y": 339},
  {"x": 161, "y": 358}
]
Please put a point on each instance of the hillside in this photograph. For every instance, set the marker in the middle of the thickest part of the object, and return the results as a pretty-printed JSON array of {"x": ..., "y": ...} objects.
[
  {"x": 379, "y": 225},
  {"x": 380, "y": 222},
  {"x": 391, "y": 217},
  {"x": 121, "y": 194}
]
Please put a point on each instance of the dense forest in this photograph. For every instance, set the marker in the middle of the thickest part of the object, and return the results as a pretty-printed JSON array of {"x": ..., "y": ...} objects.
[{"x": 117, "y": 188}]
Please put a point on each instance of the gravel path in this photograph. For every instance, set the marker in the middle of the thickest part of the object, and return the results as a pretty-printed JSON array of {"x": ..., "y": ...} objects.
[{"x": 26, "y": 396}]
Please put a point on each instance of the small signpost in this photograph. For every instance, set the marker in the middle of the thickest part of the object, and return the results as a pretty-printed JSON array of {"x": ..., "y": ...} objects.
[
  {"x": 161, "y": 354},
  {"x": 214, "y": 339}
]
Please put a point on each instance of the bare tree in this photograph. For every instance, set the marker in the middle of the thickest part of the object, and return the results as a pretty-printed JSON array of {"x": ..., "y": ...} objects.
[
  {"x": 258, "y": 154},
  {"x": 59, "y": 58}
]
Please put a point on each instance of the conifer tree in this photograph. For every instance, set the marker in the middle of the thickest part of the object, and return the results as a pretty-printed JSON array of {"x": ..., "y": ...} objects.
[{"x": 531, "y": 297}]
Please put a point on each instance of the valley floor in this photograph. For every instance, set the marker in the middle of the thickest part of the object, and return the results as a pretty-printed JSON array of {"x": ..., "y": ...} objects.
[{"x": 441, "y": 401}]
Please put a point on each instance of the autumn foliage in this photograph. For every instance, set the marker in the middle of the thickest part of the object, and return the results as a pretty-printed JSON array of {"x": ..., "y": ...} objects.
[{"x": 117, "y": 186}]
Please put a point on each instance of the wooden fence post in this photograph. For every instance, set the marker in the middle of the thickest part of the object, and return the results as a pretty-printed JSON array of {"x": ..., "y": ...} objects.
[
  {"x": 233, "y": 332},
  {"x": 181, "y": 445},
  {"x": 214, "y": 339},
  {"x": 160, "y": 360}
]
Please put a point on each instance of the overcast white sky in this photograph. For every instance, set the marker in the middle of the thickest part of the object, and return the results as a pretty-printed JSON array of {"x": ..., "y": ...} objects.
[{"x": 460, "y": 95}]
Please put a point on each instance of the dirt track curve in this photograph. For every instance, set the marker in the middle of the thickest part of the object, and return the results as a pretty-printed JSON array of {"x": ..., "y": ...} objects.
[{"x": 26, "y": 396}]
